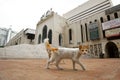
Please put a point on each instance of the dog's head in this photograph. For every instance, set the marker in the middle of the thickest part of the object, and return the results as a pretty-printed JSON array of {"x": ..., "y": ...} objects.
[{"x": 84, "y": 49}]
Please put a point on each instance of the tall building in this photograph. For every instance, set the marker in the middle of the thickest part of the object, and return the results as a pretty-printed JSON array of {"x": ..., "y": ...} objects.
[
  {"x": 88, "y": 9},
  {"x": 6, "y": 35}
]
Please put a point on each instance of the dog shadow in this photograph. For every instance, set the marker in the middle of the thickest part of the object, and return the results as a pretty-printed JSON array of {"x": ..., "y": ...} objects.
[{"x": 65, "y": 70}]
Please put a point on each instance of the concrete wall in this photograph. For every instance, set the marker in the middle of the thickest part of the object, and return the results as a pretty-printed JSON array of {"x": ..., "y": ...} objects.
[
  {"x": 24, "y": 51},
  {"x": 27, "y": 51}
]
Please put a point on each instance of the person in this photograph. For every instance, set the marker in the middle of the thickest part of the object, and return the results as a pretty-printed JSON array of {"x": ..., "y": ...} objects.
[{"x": 101, "y": 55}]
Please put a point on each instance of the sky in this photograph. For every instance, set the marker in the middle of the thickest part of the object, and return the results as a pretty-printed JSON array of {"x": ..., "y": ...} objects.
[{"x": 22, "y": 14}]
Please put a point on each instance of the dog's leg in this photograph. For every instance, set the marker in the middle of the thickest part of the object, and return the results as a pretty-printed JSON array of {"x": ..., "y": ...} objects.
[
  {"x": 49, "y": 54},
  {"x": 57, "y": 64},
  {"x": 78, "y": 62},
  {"x": 74, "y": 65},
  {"x": 50, "y": 61}
]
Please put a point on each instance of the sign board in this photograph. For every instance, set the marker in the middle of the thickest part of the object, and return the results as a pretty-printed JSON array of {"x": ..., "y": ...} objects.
[
  {"x": 94, "y": 32},
  {"x": 111, "y": 24},
  {"x": 112, "y": 32}
]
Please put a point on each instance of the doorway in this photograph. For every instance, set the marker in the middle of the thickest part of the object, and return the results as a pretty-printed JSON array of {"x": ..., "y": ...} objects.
[{"x": 111, "y": 50}]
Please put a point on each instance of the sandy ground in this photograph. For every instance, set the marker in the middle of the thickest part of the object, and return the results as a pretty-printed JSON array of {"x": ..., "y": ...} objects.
[{"x": 34, "y": 69}]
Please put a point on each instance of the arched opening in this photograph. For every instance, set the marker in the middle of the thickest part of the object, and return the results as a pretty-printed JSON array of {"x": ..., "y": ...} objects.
[
  {"x": 16, "y": 43},
  {"x": 112, "y": 50},
  {"x": 108, "y": 17},
  {"x": 101, "y": 19},
  {"x": 90, "y": 22},
  {"x": 116, "y": 15},
  {"x": 39, "y": 39},
  {"x": 44, "y": 33},
  {"x": 50, "y": 36},
  {"x": 60, "y": 39},
  {"x": 95, "y": 20}
]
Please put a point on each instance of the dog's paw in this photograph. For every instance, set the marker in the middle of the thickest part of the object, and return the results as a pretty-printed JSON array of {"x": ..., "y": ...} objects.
[
  {"x": 47, "y": 68},
  {"x": 75, "y": 69},
  {"x": 84, "y": 69},
  {"x": 60, "y": 68}
]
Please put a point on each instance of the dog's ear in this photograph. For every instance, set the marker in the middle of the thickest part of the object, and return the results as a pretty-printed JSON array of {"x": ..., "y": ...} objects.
[
  {"x": 84, "y": 46},
  {"x": 87, "y": 46}
]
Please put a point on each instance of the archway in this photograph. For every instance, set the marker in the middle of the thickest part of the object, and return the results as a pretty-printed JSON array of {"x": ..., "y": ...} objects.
[
  {"x": 70, "y": 35},
  {"x": 112, "y": 50},
  {"x": 60, "y": 39},
  {"x": 50, "y": 36},
  {"x": 44, "y": 33}
]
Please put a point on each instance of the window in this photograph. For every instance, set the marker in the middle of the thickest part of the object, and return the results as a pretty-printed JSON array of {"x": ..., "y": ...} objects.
[
  {"x": 108, "y": 17},
  {"x": 70, "y": 35},
  {"x": 44, "y": 33},
  {"x": 94, "y": 31},
  {"x": 116, "y": 15},
  {"x": 82, "y": 33},
  {"x": 60, "y": 39},
  {"x": 86, "y": 30},
  {"x": 104, "y": 34},
  {"x": 16, "y": 43},
  {"x": 90, "y": 22},
  {"x": 20, "y": 40},
  {"x": 101, "y": 19},
  {"x": 95, "y": 20},
  {"x": 39, "y": 39},
  {"x": 50, "y": 36}
]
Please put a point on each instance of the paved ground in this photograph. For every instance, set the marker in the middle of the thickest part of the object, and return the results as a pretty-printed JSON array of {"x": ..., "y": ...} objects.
[{"x": 96, "y": 69}]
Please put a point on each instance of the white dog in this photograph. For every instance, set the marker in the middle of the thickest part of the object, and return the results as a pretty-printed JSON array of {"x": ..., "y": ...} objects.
[{"x": 66, "y": 53}]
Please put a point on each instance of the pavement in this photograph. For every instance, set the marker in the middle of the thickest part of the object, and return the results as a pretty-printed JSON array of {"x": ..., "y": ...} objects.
[{"x": 34, "y": 69}]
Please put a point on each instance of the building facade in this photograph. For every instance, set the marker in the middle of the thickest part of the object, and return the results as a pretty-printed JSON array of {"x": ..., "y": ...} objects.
[
  {"x": 111, "y": 29},
  {"x": 23, "y": 37},
  {"x": 85, "y": 25},
  {"x": 6, "y": 35},
  {"x": 94, "y": 24}
]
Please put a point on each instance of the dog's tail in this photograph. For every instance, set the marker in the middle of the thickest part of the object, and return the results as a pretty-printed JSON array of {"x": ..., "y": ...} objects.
[
  {"x": 47, "y": 44},
  {"x": 49, "y": 48},
  {"x": 46, "y": 41}
]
